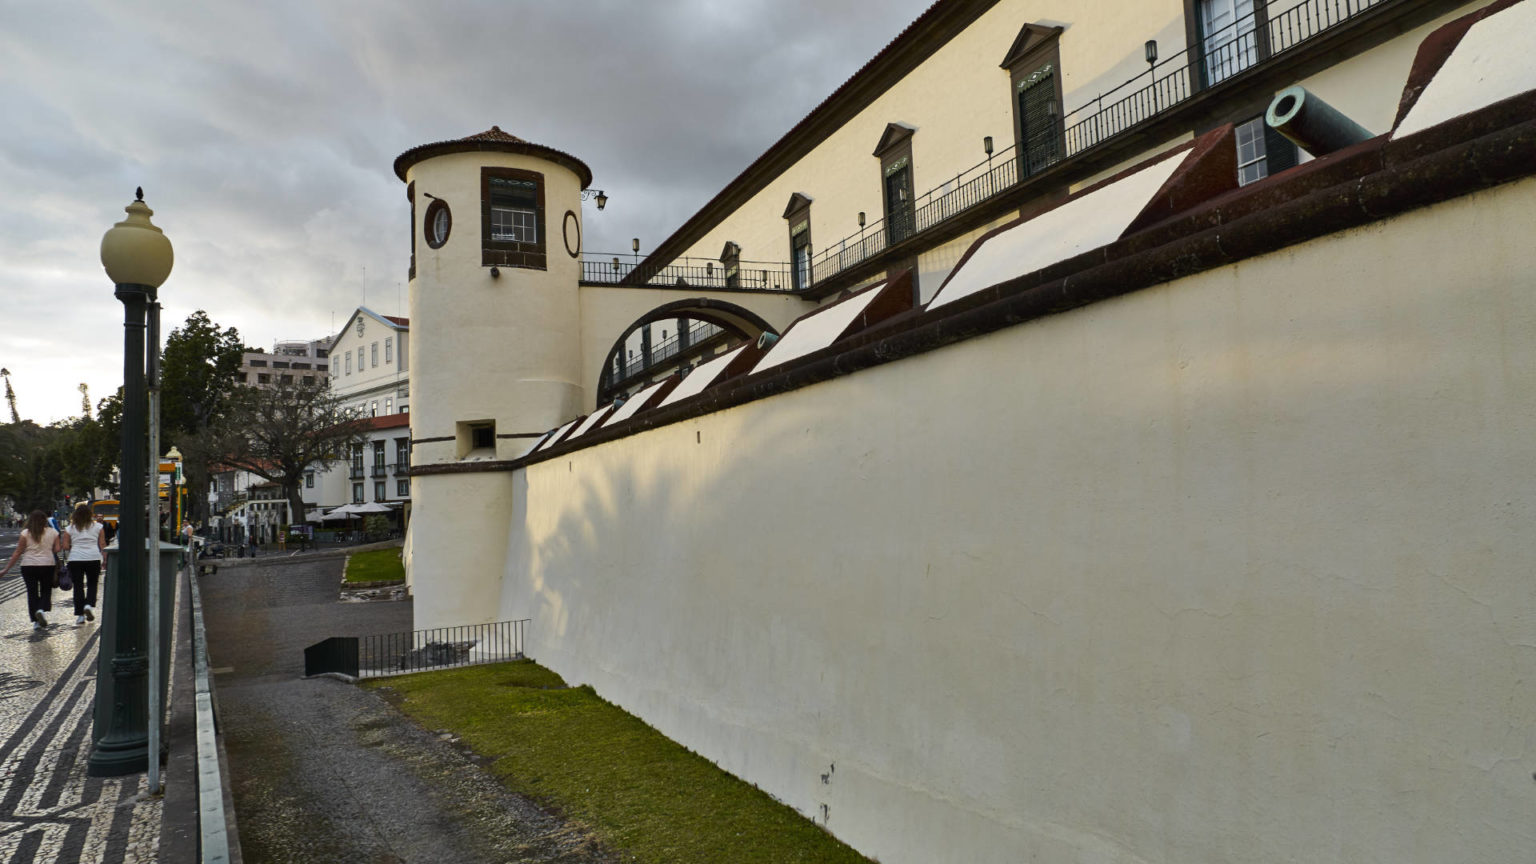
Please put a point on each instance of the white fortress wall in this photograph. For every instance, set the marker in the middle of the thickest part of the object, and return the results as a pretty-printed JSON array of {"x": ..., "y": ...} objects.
[{"x": 1233, "y": 569}]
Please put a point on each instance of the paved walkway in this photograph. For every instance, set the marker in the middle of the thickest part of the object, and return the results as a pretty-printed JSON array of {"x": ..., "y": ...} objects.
[
  {"x": 49, "y": 809},
  {"x": 322, "y": 770}
]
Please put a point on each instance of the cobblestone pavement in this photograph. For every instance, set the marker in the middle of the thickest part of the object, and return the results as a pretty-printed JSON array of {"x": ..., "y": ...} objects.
[
  {"x": 322, "y": 770},
  {"x": 49, "y": 809}
]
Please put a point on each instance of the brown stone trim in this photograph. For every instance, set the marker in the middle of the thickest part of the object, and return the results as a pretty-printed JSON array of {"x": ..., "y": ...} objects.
[
  {"x": 415, "y": 441},
  {"x": 521, "y": 434},
  {"x": 503, "y": 253},
  {"x": 405, "y": 160},
  {"x": 437, "y": 206},
  {"x": 1043, "y": 47},
  {"x": 894, "y": 134},
  {"x": 1372, "y": 181},
  {"x": 1031, "y": 39},
  {"x": 1200, "y": 113},
  {"x": 1437, "y": 48},
  {"x": 571, "y": 220}
]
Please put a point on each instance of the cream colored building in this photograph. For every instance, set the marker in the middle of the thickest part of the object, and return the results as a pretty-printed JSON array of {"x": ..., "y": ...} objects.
[{"x": 1142, "y": 496}]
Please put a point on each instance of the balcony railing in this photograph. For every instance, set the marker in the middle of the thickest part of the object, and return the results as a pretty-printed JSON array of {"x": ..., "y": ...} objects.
[
  {"x": 380, "y": 469},
  {"x": 356, "y": 473},
  {"x": 1221, "y": 55},
  {"x": 660, "y": 353},
  {"x": 609, "y": 269}
]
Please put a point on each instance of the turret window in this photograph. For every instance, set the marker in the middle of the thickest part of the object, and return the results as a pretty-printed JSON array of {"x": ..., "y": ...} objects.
[{"x": 512, "y": 212}]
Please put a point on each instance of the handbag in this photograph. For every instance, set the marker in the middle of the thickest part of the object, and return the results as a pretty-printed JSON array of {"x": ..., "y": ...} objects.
[{"x": 61, "y": 579}]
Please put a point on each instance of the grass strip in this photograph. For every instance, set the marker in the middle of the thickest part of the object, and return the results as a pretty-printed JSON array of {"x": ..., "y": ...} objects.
[
  {"x": 639, "y": 791},
  {"x": 377, "y": 565}
]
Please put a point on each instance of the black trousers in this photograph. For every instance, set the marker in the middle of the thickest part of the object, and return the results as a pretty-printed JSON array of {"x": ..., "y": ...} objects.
[
  {"x": 39, "y": 581},
  {"x": 85, "y": 575}
]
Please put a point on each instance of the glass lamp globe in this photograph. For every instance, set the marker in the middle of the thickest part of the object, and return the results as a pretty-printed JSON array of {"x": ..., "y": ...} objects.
[{"x": 134, "y": 251}]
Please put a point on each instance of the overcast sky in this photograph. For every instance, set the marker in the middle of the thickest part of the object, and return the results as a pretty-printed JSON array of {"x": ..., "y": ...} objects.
[{"x": 264, "y": 136}]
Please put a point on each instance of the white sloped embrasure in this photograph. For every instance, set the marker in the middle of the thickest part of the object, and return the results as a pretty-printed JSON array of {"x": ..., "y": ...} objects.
[
  {"x": 817, "y": 330},
  {"x": 1084, "y": 223},
  {"x": 555, "y": 436},
  {"x": 701, "y": 377},
  {"x": 628, "y": 409},
  {"x": 1491, "y": 63},
  {"x": 587, "y": 424}
]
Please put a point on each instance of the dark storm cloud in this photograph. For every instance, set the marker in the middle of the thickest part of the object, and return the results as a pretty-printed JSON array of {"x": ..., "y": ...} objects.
[{"x": 264, "y": 135}]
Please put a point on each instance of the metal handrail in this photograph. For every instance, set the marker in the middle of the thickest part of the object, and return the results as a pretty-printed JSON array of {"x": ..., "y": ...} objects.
[
  {"x": 1168, "y": 83},
  {"x": 1221, "y": 56},
  {"x": 698, "y": 332},
  {"x": 611, "y": 269}
]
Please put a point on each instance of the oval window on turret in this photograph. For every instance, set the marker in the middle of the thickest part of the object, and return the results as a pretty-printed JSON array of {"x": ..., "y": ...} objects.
[{"x": 439, "y": 222}]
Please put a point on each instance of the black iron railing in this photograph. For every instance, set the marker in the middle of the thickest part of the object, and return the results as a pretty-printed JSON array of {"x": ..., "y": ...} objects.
[
  {"x": 419, "y": 651},
  {"x": 608, "y": 269},
  {"x": 379, "y": 470},
  {"x": 1221, "y": 55},
  {"x": 697, "y": 332}
]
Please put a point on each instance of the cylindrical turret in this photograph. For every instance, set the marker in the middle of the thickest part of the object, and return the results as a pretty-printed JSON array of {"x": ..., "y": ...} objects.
[
  {"x": 495, "y": 320},
  {"x": 495, "y": 350}
]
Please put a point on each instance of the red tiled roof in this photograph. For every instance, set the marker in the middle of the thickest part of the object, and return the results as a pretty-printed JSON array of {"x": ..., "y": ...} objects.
[
  {"x": 403, "y": 322},
  {"x": 493, "y": 139}
]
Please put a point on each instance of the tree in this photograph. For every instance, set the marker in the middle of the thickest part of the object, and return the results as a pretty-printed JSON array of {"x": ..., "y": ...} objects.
[
  {"x": 280, "y": 432},
  {"x": 199, "y": 373}
]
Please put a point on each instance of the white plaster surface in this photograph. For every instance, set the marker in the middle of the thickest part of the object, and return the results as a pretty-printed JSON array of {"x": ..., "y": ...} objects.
[
  {"x": 702, "y": 376},
  {"x": 1232, "y": 570},
  {"x": 1081, "y": 224},
  {"x": 817, "y": 330},
  {"x": 628, "y": 409},
  {"x": 1492, "y": 62}
]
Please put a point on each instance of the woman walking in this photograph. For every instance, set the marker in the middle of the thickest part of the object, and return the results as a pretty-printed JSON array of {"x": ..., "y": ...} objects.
[
  {"x": 84, "y": 542},
  {"x": 38, "y": 549}
]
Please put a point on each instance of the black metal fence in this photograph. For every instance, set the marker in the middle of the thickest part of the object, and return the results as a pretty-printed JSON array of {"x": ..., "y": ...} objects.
[
  {"x": 609, "y": 269},
  {"x": 1221, "y": 54},
  {"x": 421, "y": 650}
]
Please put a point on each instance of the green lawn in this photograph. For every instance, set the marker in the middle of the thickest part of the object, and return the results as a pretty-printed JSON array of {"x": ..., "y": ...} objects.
[
  {"x": 638, "y": 791},
  {"x": 378, "y": 565}
]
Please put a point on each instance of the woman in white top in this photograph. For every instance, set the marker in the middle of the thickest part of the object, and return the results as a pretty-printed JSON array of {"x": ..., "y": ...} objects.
[
  {"x": 84, "y": 541},
  {"x": 37, "y": 548}
]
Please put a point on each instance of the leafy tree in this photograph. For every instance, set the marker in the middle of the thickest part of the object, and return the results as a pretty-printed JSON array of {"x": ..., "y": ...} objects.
[
  {"x": 199, "y": 373},
  {"x": 199, "y": 369},
  {"x": 31, "y": 466},
  {"x": 278, "y": 433}
]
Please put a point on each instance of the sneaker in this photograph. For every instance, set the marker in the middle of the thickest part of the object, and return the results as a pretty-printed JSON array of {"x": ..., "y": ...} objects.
[
  {"x": 36, "y": 626},
  {"x": 89, "y": 615},
  {"x": 79, "y": 619},
  {"x": 38, "y": 617}
]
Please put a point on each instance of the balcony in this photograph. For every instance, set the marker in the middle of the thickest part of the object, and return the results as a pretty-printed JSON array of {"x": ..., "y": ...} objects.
[
  {"x": 356, "y": 473},
  {"x": 609, "y": 269},
  {"x": 380, "y": 470},
  {"x": 1221, "y": 64}
]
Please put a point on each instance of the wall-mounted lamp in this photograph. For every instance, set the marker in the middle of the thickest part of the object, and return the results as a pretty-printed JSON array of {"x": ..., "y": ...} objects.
[
  {"x": 600, "y": 195},
  {"x": 1151, "y": 51},
  {"x": 986, "y": 144},
  {"x": 429, "y": 195},
  {"x": 495, "y": 272}
]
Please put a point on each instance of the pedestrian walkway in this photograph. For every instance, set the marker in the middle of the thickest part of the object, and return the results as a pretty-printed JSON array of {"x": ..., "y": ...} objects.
[{"x": 50, "y": 811}]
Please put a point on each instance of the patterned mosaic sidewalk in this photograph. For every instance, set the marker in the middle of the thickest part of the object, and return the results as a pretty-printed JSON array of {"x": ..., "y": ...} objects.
[{"x": 50, "y": 811}]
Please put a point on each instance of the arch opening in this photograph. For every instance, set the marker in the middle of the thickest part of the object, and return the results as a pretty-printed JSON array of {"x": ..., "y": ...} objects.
[{"x": 672, "y": 337}]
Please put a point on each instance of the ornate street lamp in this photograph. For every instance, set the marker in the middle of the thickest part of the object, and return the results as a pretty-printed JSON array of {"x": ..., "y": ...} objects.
[{"x": 137, "y": 257}]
